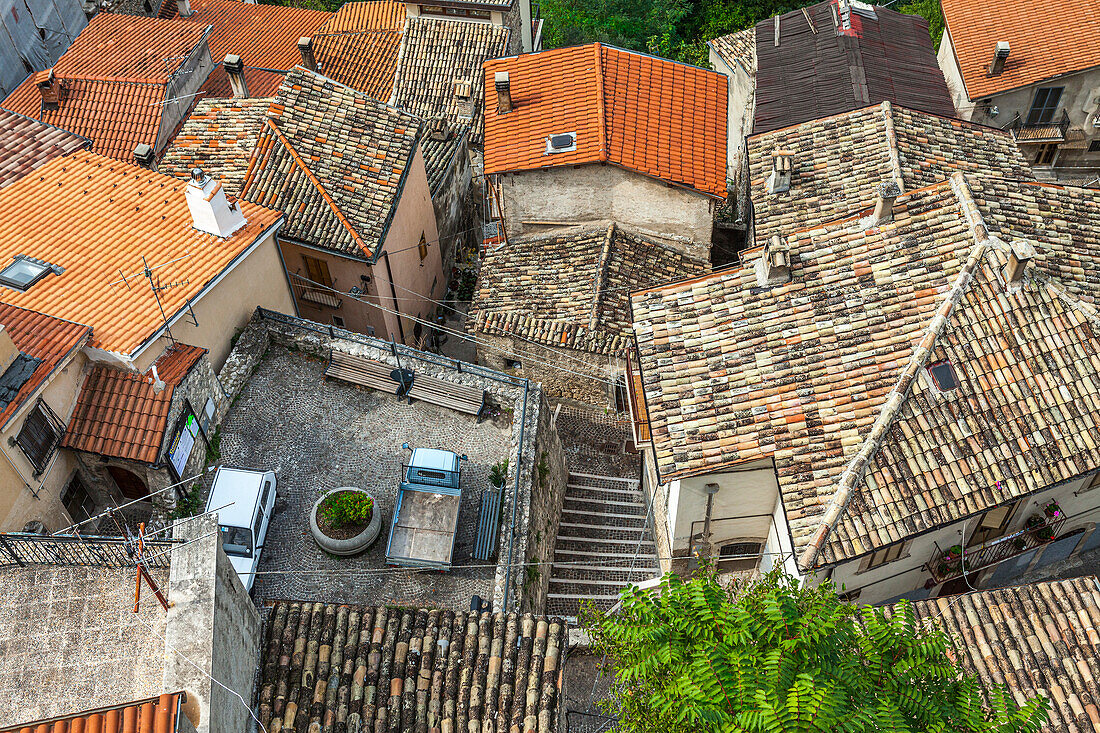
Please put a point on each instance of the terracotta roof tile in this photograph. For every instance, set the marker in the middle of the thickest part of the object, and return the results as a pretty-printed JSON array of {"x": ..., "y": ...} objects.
[
  {"x": 154, "y": 715},
  {"x": 438, "y": 56},
  {"x": 573, "y": 290},
  {"x": 408, "y": 669},
  {"x": 359, "y": 46},
  {"x": 645, "y": 114},
  {"x": 1045, "y": 39},
  {"x": 440, "y": 154},
  {"x": 25, "y": 144},
  {"x": 119, "y": 414},
  {"x": 837, "y": 162},
  {"x": 332, "y": 201},
  {"x": 1037, "y": 639},
  {"x": 47, "y": 339},
  {"x": 129, "y": 48},
  {"x": 92, "y": 200},
  {"x": 801, "y": 372},
  {"x": 739, "y": 47},
  {"x": 218, "y": 137},
  {"x": 825, "y": 69}
]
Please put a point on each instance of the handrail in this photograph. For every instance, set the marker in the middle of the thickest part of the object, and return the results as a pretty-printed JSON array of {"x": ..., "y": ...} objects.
[
  {"x": 949, "y": 563},
  {"x": 22, "y": 549}
]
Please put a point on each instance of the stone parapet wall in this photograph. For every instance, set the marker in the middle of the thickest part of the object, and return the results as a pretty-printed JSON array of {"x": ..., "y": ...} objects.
[{"x": 557, "y": 369}]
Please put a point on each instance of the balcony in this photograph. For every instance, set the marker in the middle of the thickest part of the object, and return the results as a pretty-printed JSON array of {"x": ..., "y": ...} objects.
[
  {"x": 1047, "y": 132},
  {"x": 639, "y": 418},
  {"x": 948, "y": 564}
]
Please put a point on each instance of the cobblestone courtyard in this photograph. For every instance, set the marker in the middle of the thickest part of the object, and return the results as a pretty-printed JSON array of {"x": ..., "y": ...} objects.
[{"x": 317, "y": 434}]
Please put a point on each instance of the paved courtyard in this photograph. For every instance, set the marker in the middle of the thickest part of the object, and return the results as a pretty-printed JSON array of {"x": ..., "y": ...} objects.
[{"x": 319, "y": 433}]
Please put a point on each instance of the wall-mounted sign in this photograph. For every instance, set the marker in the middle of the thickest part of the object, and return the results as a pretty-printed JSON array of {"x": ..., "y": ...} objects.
[{"x": 183, "y": 442}]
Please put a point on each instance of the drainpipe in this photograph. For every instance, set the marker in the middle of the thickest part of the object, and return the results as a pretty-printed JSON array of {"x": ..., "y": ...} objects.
[
  {"x": 515, "y": 501},
  {"x": 393, "y": 294}
]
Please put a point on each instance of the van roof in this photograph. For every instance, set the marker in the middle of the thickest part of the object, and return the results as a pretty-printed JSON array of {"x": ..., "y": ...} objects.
[
  {"x": 441, "y": 460},
  {"x": 240, "y": 488}
]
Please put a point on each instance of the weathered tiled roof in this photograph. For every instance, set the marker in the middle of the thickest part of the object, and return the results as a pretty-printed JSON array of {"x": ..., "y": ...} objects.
[
  {"x": 439, "y": 155},
  {"x": 92, "y": 200},
  {"x": 572, "y": 290},
  {"x": 333, "y": 159},
  {"x": 826, "y": 374},
  {"x": 152, "y": 715},
  {"x": 359, "y": 46},
  {"x": 119, "y": 413},
  {"x": 43, "y": 338},
  {"x": 1045, "y": 40},
  {"x": 113, "y": 81},
  {"x": 737, "y": 47},
  {"x": 837, "y": 162},
  {"x": 1041, "y": 638},
  {"x": 821, "y": 68},
  {"x": 218, "y": 137},
  {"x": 364, "y": 668},
  {"x": 657, "y": 117},
  {"x": 441, "y": 58},
  {"x": 26, "y": 143}
]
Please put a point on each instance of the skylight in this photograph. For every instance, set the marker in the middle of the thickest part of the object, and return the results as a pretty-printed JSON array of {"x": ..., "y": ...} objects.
[
  {"x": 943, "y": 374},
  {"x": 562, "y": 143},
  {"x": 25, "y": 271}
]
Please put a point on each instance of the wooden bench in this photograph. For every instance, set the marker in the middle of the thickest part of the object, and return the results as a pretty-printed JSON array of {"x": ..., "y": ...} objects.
[
  {"x": 470, "y": 400},
  {"x": 362, "y": 371},
  {"x": 488, "y": 524}
]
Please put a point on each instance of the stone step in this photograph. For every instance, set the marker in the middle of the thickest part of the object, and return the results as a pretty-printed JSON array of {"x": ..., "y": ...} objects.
[
  {"x": 568, "y": 607},
  {"x": 614, "y": 520},
  {"x": 581, "y": 493},
  {"x": 598, "y": 575},
  {"x": 596, "y": 477},
  {"x": 604, "y": 547},
  {"x": 597, "y": 552},
  {"x": 570, "y": 487},
  {"x": 579, "y": 530},
  {"x": 595, "y": 505}
]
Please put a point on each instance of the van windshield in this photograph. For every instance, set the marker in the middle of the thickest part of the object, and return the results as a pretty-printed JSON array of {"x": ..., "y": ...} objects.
[{"x": 236, "y": 541}]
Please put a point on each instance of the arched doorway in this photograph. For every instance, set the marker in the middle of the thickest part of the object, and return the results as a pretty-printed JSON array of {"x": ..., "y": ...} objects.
[{"x": 131, "y": 486}]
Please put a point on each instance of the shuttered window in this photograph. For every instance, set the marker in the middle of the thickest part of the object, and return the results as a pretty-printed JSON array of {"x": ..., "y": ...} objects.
[
  {"x": 317, "y": 271},
  {"x": 39, "y": 436}
]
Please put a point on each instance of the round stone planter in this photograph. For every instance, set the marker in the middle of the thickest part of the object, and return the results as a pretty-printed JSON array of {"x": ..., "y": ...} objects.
[{"x": 352, "y": 545}]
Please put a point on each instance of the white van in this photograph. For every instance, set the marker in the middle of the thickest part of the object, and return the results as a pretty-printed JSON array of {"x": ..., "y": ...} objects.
[{"x": 247, "y": 499}]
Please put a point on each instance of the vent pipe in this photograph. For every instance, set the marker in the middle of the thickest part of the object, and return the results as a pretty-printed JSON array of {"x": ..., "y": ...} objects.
[
  {"x": 779, "y": 180},
  {"x": 234, "y": 68},
  {"x": 1020, "y": 253},
  {"x": 888, "y": 192},
  {"x": 305, "y": 47},
  {"x": 143, "y": 154},
  {"x": 504, "y": 92},
  {"x": 1000, "y": 55}
]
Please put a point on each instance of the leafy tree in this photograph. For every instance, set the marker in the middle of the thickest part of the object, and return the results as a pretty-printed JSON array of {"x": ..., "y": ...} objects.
[
  {"x": 931, "y": 11},
  {"x": 771, "y": 656}
]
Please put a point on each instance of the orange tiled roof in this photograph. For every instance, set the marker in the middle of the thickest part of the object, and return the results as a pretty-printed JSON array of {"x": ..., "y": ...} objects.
[
  {"x": 1045, "y": 40},
  {"x": 129, "y": 48},
  {"x": 67, "y": 210},
  {"x": 120, "y": 415},
  {"x": 650, "y": 115},
  {"x": 42, "y": 337},
  {"x": 359, "y": 45},
  {"x": 26, "y": 144},
  {"x": 154, "y": 715}
]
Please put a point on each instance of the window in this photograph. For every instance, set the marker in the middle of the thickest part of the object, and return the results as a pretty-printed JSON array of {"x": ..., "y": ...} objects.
[
  {"x": 76, "y": 500},
  {"x": 317, "y": 271},
  {"x": 562, "y": 143},
  {"x": 1044, "y": 106},
  {"x": 885, "y": 555},
  {"x": 264, "y": 497},
  {"x": 1046, "y": 154},
  {"x": 338, "y": 321},
  {"x": 740, "y": 549},
  {"x": 512, "y": 364},
  {"x": 258, "y": 521},
  {"x": 994, "y": 524},
  {"x": 1094, "y": 146},
  {"x": 943, "y": 375},
  {"x": 25, "y": 271},
  {"x": 236, "y": 541},
  {"x": 39, "y": 436},
  {"x": 423, "y": 249}
]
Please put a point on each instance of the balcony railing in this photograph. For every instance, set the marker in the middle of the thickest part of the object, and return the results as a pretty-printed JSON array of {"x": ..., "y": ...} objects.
[
  {"x": 948, "y": 564},
  {"x": 638, "y": 417},
  {"x": 1046, "y": 132}
]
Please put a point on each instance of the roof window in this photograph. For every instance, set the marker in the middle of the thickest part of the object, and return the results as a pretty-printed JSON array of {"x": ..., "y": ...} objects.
[
  {"x": 943, "y": 374},
  {"x": 25, "y": 271},
  {"x": 561, "y": 143}
]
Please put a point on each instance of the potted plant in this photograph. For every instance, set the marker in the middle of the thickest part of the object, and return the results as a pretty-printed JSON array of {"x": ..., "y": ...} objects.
[
  {"x": 1019, "y": 543},
  {"x": 498, "y": 474},
  {"x": 1038, "y": 528},
  {"x": 1052, "y": 510},
  {"x": 344, "y": 522}
]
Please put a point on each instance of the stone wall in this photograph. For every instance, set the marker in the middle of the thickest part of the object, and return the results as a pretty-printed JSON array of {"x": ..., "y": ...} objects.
[
  {"x": 213, "y": 631},
  {"x": 494, "y": 352},
  {"x": 453, "y": 204},
  {"x": 549, "y": 477}
]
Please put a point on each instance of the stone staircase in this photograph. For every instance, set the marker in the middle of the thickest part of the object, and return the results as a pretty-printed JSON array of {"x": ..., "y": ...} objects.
[{"x": 604, "y": 543}]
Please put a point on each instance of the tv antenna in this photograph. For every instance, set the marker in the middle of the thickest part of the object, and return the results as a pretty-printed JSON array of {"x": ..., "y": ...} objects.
[{"x": 155, "y": 284}]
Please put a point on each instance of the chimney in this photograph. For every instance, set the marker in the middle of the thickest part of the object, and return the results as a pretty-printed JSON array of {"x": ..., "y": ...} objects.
[
  {"x": 305, "y": 46},
  {"x": 504, "y": 92},
  {"x": 1020, "y": 252},
  {"x": 158, "y": 383},
  {"x": 1000, "y": 55},
  {"x": 888, "y": 192},
  {"x": 143, "y": 154},
  {"x": 234, "y": 67},
  {"x": 437, "y": 129},
  {"x": 8, "y": 352},
  {"x": 210, "y": 209},
  {"x": 184, "y": 7},
  {"x": 779, "y": 180},
  {"x": 774, "y": 266},
  {"x": 50, "y": 89}
]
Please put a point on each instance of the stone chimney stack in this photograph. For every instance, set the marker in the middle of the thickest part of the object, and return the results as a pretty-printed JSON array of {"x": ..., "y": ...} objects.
[
  {"x": 50, "y": 89},
  {"x": 210, "y": 209},
  {"x": 774, "y": 266},
  {"x": 305, "y": 47},
  {"x": 184, "y": 7},
  {"x": 143, "y": 154},
  {"x": 504, "y": 92},
  {"x": 234, "y": 68},
  {"x": 779, "y": 180},
  {"x": 888, "y": 192},
  {"x": 1000, "y": 55},
  {"x": 1020, "y": 253}
]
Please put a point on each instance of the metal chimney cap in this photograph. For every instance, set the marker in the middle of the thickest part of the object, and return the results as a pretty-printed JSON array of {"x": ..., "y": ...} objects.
[{"x": 197, "y": 175}]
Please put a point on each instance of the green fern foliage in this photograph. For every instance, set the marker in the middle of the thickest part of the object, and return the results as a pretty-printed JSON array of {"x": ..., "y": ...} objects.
[{"x": 773, "y": 657}]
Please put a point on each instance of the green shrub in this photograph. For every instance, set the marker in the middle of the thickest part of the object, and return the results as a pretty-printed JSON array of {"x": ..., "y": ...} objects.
[
  {"x": 345, "y": 508},
  {"x": 189, "y": 504},
  {"x": 498, "y": 474}
]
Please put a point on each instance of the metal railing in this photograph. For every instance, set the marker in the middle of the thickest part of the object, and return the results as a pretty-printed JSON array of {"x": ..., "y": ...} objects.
[
  {"x": 948, "y": 564},
  {"x": 19, "y": 550},
  {"x": 1038, "y": 132}
]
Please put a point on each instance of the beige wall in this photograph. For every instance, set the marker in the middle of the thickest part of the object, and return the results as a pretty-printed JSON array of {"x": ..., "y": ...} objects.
[{"x": 345, "y": 273}]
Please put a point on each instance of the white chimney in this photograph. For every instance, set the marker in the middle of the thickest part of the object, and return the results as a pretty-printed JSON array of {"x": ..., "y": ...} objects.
[
  {"x": 888, "y": 192},
  {"x": 305, "y": 47},
  {"x": 774, "y": 266},
  {"x": 184, "y": 7},
  {"x": 158, "y": 383},
  {"x": 1000, "y": 55},
  {"x": 210, "y": 209},
  {"x": 1020, "y": 253},
  {"x": 234, "y": 68},
  {"x": 504, "y": 92},
  {"x": 779, "y": 180}
]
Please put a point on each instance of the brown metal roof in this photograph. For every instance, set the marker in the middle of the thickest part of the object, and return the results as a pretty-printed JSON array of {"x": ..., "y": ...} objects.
[{"x": 822, "y": 68}]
